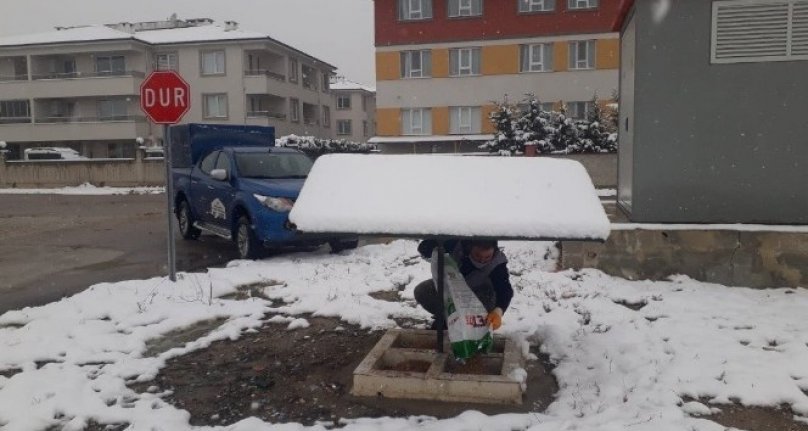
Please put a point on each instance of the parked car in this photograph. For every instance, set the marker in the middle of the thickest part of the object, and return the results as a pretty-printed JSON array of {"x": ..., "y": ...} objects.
[{"x": 241, "y": 187}]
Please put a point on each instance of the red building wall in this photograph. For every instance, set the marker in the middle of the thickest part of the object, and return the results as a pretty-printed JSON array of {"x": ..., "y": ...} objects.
[{"x": 500, "y": 20}]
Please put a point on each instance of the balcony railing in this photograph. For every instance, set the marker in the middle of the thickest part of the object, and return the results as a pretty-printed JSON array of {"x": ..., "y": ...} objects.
[
  {"x": 9, "y": 78},
  {"x": 96, "y": 119},
  {"x": 81, "y": 75},
  {"x": 15, "y": 120},
  {"x": 268, "y": 73},
  {"x": 266, "y": 114}
]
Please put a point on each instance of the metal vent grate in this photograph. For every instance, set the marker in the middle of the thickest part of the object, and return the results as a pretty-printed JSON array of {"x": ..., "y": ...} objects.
[
  {"x": 759, "y": 30},
  {"x": 799, "y": 29},
  {"x": 754, "y": 30}
]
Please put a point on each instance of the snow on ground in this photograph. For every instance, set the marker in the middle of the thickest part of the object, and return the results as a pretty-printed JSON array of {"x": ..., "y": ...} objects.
[
  {"x": 617, "y": 368},
  {"x": 86, "y": 189},
  {"x": 607, "y": 193}
]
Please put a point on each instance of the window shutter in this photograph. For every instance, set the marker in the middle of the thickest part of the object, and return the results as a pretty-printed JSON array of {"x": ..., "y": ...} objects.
[
  {"x": 426, "y": 64},
  {"x": 548, "y": 57},
  {"x": 454, "y": 7},
  {"x": 404, "y": 60},
  {"x": 426, "y": 7},
  {"x": 799, "y": 29},
  {"x": 750, "y": 30},
  {"x": 573, "y": 55},
  {"x": 524, "y": 58}
]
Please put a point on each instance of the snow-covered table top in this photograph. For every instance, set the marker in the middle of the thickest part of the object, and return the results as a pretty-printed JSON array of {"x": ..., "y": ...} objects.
[{"x": 426, "y": 196}]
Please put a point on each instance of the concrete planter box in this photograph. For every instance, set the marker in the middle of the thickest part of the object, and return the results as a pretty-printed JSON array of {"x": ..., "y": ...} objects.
[{"x": 404, "y": 364}]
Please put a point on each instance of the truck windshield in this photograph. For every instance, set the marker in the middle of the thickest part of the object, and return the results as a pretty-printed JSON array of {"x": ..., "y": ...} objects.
[{"x": 273, "y": 165}]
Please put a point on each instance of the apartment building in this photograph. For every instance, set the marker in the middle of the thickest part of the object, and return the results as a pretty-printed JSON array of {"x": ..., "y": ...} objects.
[
  {"x": 355, "y": 110},
  {"x": 442, "y": 64},
  {"x": 79, "y": 87}
]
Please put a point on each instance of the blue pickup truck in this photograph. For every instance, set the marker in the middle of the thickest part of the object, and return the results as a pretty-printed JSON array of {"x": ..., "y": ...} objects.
[{"x": 232, "y": 181}]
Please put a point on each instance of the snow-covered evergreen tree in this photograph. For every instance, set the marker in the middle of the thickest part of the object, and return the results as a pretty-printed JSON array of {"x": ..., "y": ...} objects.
[
  {"x": 505, "y": 136},
  {"x": 534, "y": 125},
  {"x": 316, "y": 147}
]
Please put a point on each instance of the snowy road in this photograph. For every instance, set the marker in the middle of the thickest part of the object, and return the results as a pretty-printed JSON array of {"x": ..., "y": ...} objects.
[{"x": 57, "y": 245}]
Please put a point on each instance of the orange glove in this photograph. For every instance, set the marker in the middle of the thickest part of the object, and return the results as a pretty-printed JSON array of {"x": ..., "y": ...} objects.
[{"x": 494, "y": 318}]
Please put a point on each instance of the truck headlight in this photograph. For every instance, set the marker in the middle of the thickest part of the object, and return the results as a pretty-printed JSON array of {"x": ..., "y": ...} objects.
[{"x": 281, "y": 205}]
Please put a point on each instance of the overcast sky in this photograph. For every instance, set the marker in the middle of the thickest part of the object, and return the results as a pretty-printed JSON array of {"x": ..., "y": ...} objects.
[{"x": 337, "y": 31}]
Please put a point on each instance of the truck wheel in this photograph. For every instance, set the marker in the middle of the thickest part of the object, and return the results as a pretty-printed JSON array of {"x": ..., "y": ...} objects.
[
  {"x": 186, "y": 221},
  {"x": 247, "y": 243},
  {"x": 338, "y": 246}
]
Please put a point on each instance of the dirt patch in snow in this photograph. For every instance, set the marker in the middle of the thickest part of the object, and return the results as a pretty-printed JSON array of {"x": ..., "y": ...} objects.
[
  {"x": 304, "y": 376},
  {"x": 754, "y": 418}
]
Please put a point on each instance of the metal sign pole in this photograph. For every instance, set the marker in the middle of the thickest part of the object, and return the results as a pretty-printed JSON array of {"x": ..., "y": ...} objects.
[
  {"x": 441, "y": 273},
  {"x": 172, "y": 253}
]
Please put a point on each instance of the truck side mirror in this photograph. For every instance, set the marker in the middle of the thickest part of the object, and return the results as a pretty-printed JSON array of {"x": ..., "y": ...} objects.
[{"x": 219, "y": 174}]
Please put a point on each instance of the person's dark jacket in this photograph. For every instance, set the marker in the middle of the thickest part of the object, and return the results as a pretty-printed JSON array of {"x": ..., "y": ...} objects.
[{"x": 499, "y": 276}]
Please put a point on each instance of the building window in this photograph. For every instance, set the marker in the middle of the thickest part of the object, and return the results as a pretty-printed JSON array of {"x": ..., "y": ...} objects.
[
  {"x": 416, "y": 121},
  {"x": 412, "y": 10},
  {"x": 536, "y": 58},
  {"x": 464, "y": 120},
  {"x": 744, "y": 31},
  {"x": 111, "y": 110},
  {"x": 215, "y": 105},
  {"x": 167, "y": 61},
  {"x": 294, "y": 70},
  {"x": 326, "y": 82},
  {"x": 464, "y": 61},
  {"x": 15, "y": 111},
  {"x": 343, "y": 102},
  {"x": 530, "y": 6},
  {"x": 578, "y": 110},
  {"x": 110, "y": 65},
  {"x": 309, "y": 77},
  {"x": 461, "y": 8},
  {"x": 364, "y": 128},
  {"x": 62, "y": 109},
  {"x": 213, "y": 63},
  {"x": 364, "y": 103},
  {"x": 548, "y": 106},
  {"x": 326, "y": 116},
  {"x": 294, "y": 110},
  {"x": 344, "y": 127},
  {"x": 416, "y": 64},
  {"x": 582, "y": 55},
  {"x": 582, "y": 4}
]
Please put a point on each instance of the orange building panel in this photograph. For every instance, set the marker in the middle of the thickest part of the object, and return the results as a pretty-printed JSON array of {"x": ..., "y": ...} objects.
[
  {"x": 388, "y": 121},
  {"x": 500, "y": 59},
  {"x": 440, "y": 120},
  {"x": 608, "y": 54},
  {"x": 388, "y": 66}
]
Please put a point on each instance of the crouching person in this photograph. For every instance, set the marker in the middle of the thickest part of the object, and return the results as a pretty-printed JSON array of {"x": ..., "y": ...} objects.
[{"x": 485, "y": 270}]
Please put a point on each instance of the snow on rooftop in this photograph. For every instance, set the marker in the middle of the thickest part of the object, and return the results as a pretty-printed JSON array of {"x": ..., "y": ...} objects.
[
  {"x": 346, "y": 84},
  {"x": 196, "y": 33},
  {"x": 530, "y": 198},
  {"x": 74, "y": 34},
  {"x": 203, "y": 33}
]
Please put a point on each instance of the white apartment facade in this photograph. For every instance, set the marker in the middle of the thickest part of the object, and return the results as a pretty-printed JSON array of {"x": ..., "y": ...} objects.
[
  {"x": 79, "y": 87},
  {"x": 354, "y": 111}
]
